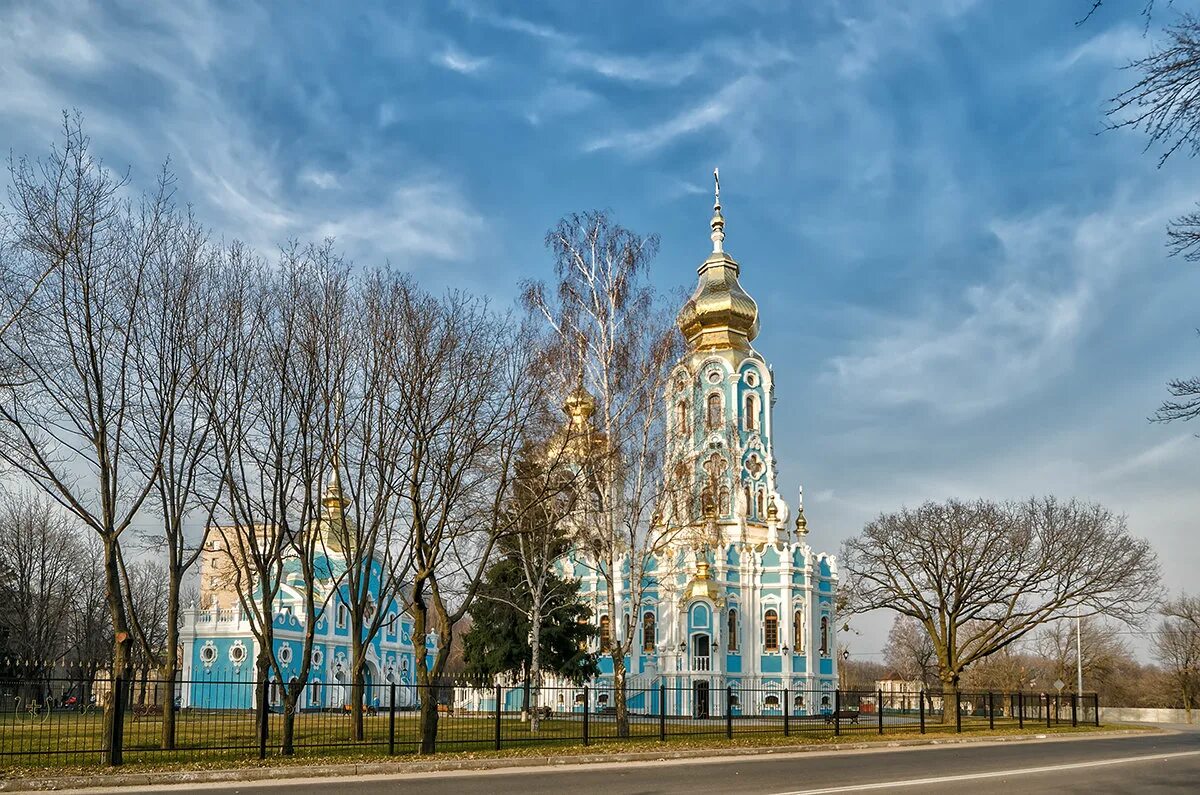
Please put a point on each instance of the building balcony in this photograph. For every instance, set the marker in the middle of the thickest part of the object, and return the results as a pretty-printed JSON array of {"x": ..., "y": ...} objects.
[{"x": 701, "y": 663}]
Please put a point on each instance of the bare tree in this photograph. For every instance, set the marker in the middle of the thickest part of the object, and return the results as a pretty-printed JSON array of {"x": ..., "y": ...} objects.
[
  {"x": 469, "y": 402},
  {"x": 269, "y": 396},
  {"x": 371, "y": 538},
  {"x": 1164, "y": 104},
  {"x": 174, "y": 340},
  {"x": 909, "y": 651},
  {"x": 1102, "y": 650},
  {"x": 616, "y": 341},
  {"x": 39, "y": 551},
  {"x": 148, "y": 589},
  {"x": 979, "y": 576},
  {"x": 71, "y": 405},
  {"x": 1177, "y": 648}
]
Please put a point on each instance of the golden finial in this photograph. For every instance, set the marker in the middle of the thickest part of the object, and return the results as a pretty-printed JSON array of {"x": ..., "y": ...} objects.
[{"x": 718, "y": 220}]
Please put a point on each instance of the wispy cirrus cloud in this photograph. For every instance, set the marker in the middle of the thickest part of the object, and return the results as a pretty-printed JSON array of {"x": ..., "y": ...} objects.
[
  {"x": 708, "y": 113},
  {"x": 456, "y": 60}
]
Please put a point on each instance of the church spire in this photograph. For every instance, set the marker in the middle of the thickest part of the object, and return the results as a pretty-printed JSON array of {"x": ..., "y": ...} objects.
[{"x": 718, "y": 220}]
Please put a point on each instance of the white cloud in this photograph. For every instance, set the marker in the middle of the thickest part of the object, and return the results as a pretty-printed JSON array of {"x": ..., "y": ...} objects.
[
  {"x": 456, "y": 60},
  {"x": 325, "y": 180},
  {"x": 1002, "y": 337}
]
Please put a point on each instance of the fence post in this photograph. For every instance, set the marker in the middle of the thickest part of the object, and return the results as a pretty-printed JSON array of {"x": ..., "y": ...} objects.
[
  {"x": 957, "y": 711},
  {"x": 1020, "y": 710},
  {"x": 879, "y": 709},
  {"x": 837, "y": 713},
  {"x": 1096, "y": 707},
  {"x": 587, "y": 708},
  {"x": 729, "y": 712},
  {"x": 392, "y": 719},
  {"x": 921, "y": 702},
  {"x": 498, "y": 696},
  {"x": 116, "y": 741},
  {"x": 1074, "y": 709},
  {"x": 787, "y": 708},
  {"x": 263, "y": 718},
  {"x": 662, "y": 712},
  {"x": 991, "y": 711}
]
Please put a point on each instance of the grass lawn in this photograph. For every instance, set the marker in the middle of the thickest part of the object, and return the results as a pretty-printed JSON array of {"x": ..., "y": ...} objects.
[{"x": 68, "y": 742}]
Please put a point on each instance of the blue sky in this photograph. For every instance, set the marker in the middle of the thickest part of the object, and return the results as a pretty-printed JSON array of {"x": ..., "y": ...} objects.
[{"x": 964, "y": 288}]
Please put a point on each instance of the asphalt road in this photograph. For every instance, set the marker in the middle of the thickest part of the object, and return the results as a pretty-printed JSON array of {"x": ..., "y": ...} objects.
[{"x": 1149, "y": 764}]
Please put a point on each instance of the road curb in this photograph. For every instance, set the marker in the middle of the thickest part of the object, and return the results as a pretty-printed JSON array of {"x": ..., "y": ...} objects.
[{"x": 163, "y": 778}]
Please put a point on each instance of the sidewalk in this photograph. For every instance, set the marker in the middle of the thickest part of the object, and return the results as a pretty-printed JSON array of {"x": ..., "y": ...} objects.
[{"x": 341, "y": 770}]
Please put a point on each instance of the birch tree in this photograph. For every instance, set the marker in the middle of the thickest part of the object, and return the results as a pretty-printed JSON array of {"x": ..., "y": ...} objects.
[{"x": 616, "y": 341}]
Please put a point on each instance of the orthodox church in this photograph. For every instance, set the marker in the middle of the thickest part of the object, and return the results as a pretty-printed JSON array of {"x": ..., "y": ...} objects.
[
  {"x": 739, "y": 599},
  {"x": 219, "y": 645},
  {"x": 736, "y": 599}
]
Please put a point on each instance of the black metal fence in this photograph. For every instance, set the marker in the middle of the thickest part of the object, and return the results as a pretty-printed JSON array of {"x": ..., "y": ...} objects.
[{"x": 51, "y": 722}]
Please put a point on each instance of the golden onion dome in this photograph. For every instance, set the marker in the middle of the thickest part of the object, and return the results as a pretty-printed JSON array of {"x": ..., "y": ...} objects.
[
  {"x": 579, "y": 405},
  {"x": 720, "y": 314}
]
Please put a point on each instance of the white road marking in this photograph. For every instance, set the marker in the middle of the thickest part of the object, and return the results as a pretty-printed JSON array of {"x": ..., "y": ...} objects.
[{"x": 1025, "y": 771}]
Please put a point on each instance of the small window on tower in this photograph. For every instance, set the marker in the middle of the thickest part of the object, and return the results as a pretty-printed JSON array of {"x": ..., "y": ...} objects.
[
  {"x": 733, "y": 630},
  {"x": 751, "y": 412},
  {"x": 681, "y": 420},
  {"x": 771, "y": 631},
  {"x": 714, "y": 411}
]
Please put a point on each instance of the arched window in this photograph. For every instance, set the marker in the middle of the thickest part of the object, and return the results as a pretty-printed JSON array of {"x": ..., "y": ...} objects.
[
  {"x": 824, "y": 636},
  {"x": 605, "y": 633},
  {"x": 798, "y": 631},
  {"x": 733, "y": 629},
  {"x": 771, "y": 631},
  {"x": 723, "y": 503},
  {"x": 761, "y": 511},
  {"x": 751, "y": 412},
  {"x": 625, "y": 634},
  {"x": 648, "y": 639},
  {"x": 314, "y": 693},
  {"x": 714, "y": 411},
  {"x": 746, "y": 497},
  {"x": 681, "y": 419}
]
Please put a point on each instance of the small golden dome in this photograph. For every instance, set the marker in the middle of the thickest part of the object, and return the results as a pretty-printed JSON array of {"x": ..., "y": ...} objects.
[{"x": 580, "y": 405}]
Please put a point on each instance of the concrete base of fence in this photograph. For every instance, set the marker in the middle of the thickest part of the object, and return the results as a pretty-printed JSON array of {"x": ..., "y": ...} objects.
[
  {"x": 1148, "y": 715},
  {"x": 301, "y": 771}
]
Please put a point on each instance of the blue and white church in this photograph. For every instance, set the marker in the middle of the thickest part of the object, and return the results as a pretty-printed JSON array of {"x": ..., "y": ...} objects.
[{"x": 751, "y": 606}]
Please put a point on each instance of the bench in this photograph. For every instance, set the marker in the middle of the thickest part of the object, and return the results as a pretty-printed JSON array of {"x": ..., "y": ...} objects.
[{"x": 850, "y": 715}]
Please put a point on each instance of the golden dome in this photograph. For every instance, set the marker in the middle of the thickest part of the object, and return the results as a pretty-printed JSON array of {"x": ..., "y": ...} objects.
[
  {"x": 580, "y": 405},
  {"x": 720, "y": 314}
]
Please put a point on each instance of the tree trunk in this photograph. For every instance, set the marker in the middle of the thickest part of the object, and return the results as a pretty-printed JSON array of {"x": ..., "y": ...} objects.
[
  {"x": 535, "y": 670},
  {"x": 357, "y": 693},
  {"x": 169, "y": 670},
  {"x": 619, "y": 693},
  {"x": 122, "y": 652},
  {"x": 949, "y": 698},
  {"x": 287, "y": 745}
]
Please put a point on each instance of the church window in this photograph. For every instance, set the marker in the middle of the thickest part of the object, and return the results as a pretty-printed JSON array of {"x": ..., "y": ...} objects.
[
  {"x": 751, "y": 412},
  {"x": 724, "y": 501},
  {"x": 605, "y": 633},
  {"x": 237, "y": 653},
  {"x": 771, "y": 701},
  {"x": 751, "y": 378},
  {"x": 746, "y": 497},
  {"x": 798, "y": 631},
  {"x": 771, "y": 631},
  {"x": 681, "y": 419},
  {"x": 208, "y": 653},
  {"x": 317, "y": 657},
  {"x": 343, "y": 615},
  {"x": 733, "y": 629},
  {"x": 824, "y": 636},
  {"x": 314, "y": 693},
  {"x": 648, "y": 639},
  {"x": 761, "y": 512},
  {"x": 714, "y": 411},
  {"x": 625, "y": 634},
  {"x": 285, "y": 654}
]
